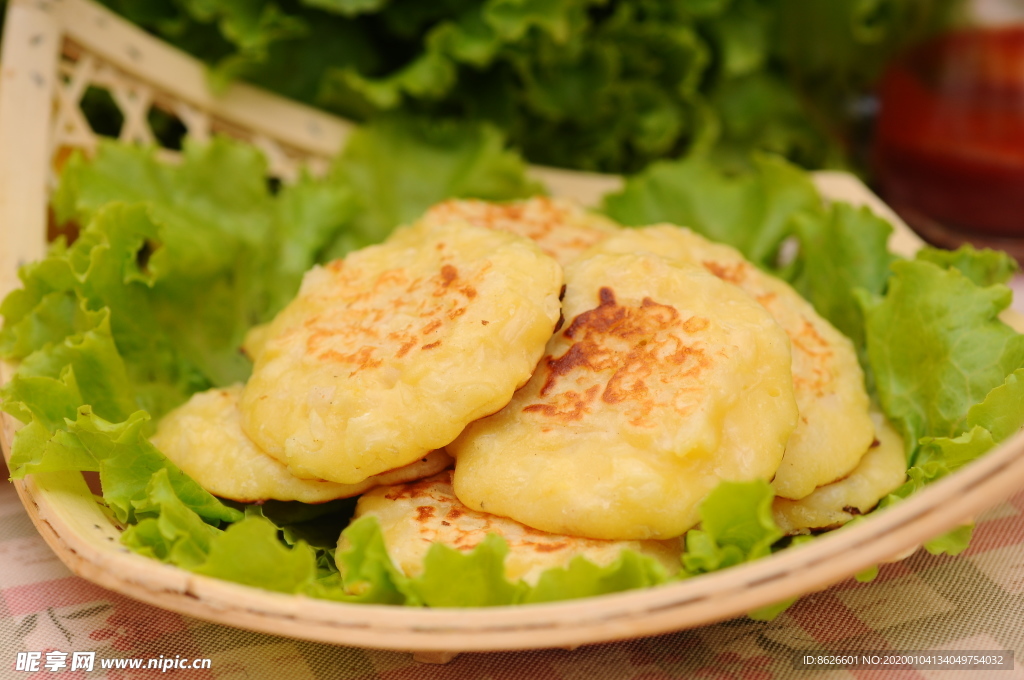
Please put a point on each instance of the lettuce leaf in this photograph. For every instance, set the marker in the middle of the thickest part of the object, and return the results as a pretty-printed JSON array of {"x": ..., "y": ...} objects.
[
  {"x": 576, "y": 83},
  {"x": 168, "y": 529},
  {"x": 951, "y": 543},
  {"x": 366, "y": 571},
  {"x": 984, "y": 267},
  {"x": 753, "y": 212},
  {"x": 249, "y": 552},
  {"x": 997, "y": 418},
  {"x": 83, "y": 368},
  {"x": 368, "y": 575},
  {"x": 481, "y": 581},
  {"x": 46, "y": 315},
  {"x": 397, "y": 168},
  {"x": 840, "y": 251},
  {"x": 1002, "y": 411},
  {"x": 582, "y": 578},
  {"x": 210, "y": 224},
  {"x": 936, "y": 348},
  {"x": 121, "y": 454},
  {"x": 75, "y": 398},
  {"x": 736, "y": 525},
  {"x": 763, "y": 111},
  {"x": 176, "y": 333}
]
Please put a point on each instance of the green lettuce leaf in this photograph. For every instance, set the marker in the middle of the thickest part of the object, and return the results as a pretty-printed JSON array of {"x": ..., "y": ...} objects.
[
  {"x": 842, "y": 250},
  {"x": 317, "y": 525},
  {"x": 251, "y": 26},
  {"x": 481, "y": 581},
  {"x": 120, "y": 452},
  {"x": 946, "y": 454},
  {"x": 366, "y": 571},
  {"x": 127, "y": 462},
  {"x": 185, "y": 258},
  {"x": 398, "y": 168},
  {"x": 583, "y": 578},
  {"x": 168, "y": 529},
  {"x": 997, "y": 418},
  {"x": 736, "y": 526},
  {"x": 984, "y": 267},
  {"x": 475, "y": 35},
  {"x": 765, "y": 112},
  {"x": 249, "y": 552},
  {"x": 368, "y": 575},
  {"x": 868, "y": 575},
  {"x": 47, "y": 315},
  {"x": 429, "y": 76},
  {"x": 752, "y": 212},
  {"x": 936, "y": 348},
  {"x": 951, "y": 543},
  {"x": 85, "y": 367},
  {"x": 214, "y": 212},
  {"x": 770, "y": 612},
  {"x": 36, "y": 448},
  {"x": 91, "y": 364},
  {"x": 347, "y": 7},
  {"x": 576, "y": 83},
  {"x": 309, "y": 214},
  {"x": 1002, "y": 411}
]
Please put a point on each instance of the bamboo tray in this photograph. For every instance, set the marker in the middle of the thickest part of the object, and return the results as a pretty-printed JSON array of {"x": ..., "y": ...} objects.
[{"x": 52, "y": 51}]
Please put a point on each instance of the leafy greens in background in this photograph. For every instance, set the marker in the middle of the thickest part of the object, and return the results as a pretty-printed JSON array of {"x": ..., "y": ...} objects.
[
  {"x": 172, "y": 264},
  {"x": 606, "y": 85}
]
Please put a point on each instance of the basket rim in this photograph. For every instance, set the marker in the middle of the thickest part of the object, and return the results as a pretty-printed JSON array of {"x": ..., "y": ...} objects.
[{"x": 718, "y": 596}]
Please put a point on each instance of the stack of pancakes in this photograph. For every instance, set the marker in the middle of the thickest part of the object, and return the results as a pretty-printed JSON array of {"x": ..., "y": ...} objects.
[{"x": 593, "y": 385}]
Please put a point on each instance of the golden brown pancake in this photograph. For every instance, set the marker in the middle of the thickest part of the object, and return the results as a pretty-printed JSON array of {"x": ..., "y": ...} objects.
[
  {"x": 560, "y": 227},
  {"x": 252, "y": 344},
  {"x": 664, "y": 382},
  {"x": 204, "y": 438},
  {"x": 415, "y": 516},
  {"x": 834, "y": 429},
  {"x": 388, "y": 354},
  {"x": 881, "y": 470}
]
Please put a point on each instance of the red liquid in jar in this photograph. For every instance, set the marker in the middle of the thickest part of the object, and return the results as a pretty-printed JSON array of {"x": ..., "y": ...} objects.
[{"x": 949, "y": 146}]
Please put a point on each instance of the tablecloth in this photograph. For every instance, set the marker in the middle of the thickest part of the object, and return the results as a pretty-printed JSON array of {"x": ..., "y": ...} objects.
[{"x": 974, "y": 601}]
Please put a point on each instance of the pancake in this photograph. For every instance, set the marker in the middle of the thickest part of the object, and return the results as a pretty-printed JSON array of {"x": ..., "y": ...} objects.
[
  {"x": 388, "y": 354},
  {"x": 414, "y": 516},
  {"x": 664, "y": 382},
  {"x": 834, "y": 429},
  {"x": 204, "y": 438},
  {"x": 252, "y": 344},
  {"x": 561, "y": 228},
  {"x": 882, "y": 470}
]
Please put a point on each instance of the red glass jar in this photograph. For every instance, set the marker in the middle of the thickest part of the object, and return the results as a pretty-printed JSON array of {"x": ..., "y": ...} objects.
[{"x": 949, "y": 147}]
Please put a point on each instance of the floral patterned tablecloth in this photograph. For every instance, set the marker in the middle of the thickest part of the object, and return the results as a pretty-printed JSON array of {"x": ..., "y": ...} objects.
[{"x": 974, "y": 601}]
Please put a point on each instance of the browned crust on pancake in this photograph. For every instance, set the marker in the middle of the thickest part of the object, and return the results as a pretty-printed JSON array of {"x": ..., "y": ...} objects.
[{"x": 617, "y": 351}]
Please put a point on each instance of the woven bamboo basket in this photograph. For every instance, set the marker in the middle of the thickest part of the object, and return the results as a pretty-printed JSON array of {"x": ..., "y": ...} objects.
[{"x": 53, "y": 50}]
